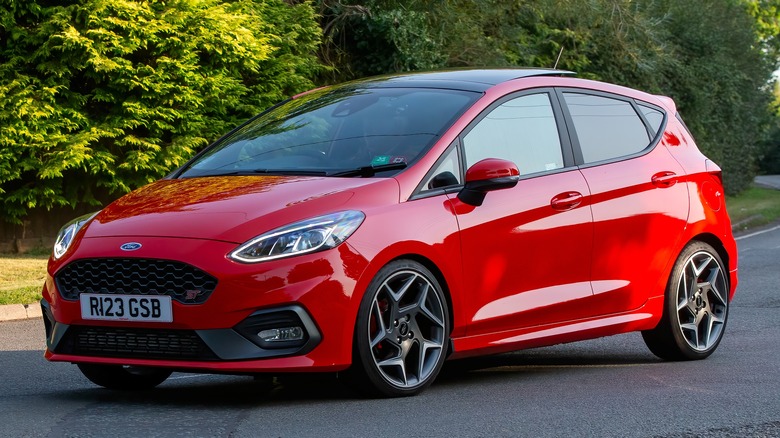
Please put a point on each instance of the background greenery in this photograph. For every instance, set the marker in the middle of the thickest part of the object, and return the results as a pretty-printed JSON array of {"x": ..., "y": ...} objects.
[
  {"x": 98, "y": 97},
  {"x": 714, "y": 57}
]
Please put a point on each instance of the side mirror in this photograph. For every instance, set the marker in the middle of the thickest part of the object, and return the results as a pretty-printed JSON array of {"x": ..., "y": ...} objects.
[{"x": 485, "y": 176}]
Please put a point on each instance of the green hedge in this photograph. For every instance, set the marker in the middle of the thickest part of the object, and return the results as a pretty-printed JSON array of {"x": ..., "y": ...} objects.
[{"x": 107, "y": 95}]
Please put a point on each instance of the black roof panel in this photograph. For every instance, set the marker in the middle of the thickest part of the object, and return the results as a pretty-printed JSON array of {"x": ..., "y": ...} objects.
[{"x": 467, "y": 79}]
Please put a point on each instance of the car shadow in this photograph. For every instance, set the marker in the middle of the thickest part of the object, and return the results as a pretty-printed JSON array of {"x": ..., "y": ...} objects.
[
  {"x": 224, "y": 391},
  {"x": 65, "y": 382},
  {"x": 247, "y": 391},
  {"x": 538, "y": 360}
]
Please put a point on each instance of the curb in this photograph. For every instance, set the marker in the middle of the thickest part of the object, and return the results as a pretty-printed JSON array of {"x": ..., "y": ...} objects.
[{"x": 15, "y": 312}]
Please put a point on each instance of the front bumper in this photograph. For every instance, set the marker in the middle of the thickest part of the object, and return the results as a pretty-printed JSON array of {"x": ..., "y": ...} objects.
[{"x": 315, "y": 290}]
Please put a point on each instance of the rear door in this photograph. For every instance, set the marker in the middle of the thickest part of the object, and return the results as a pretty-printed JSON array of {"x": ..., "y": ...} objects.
[{"x": 639, "y": 208}]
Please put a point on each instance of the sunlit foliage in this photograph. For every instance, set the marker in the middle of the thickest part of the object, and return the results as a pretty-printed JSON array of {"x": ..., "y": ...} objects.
[{"x": 102, "y": 96}]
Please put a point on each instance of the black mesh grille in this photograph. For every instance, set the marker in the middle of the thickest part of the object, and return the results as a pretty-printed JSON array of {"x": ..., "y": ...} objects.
[
  {"x": 134, "y": 343},
  {"x": 182, "y": 282}
]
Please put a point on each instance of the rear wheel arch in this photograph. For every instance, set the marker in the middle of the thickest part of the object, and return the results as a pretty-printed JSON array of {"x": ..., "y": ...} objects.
[{"x": 716, "y": 243}]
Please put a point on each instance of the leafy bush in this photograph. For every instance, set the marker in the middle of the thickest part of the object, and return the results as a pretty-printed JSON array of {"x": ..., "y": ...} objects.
[{"x": 102, "y": 96}]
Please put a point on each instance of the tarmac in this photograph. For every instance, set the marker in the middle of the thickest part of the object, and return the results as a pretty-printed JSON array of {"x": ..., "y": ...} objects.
[
  {"x": 768, "y": 181},
  {"x": 13, "y": 312}
]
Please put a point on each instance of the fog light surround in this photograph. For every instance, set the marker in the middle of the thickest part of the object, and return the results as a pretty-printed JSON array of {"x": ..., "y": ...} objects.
[{"x": 287, "y": 330}]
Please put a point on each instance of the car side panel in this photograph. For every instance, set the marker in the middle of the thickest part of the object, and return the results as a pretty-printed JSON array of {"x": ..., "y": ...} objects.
[
  {"x": 525, "y": 263},
  {"x": 637, "y": 226},
  {"x": 708, "y": 215},
  {"x": 423, "y": 229}
]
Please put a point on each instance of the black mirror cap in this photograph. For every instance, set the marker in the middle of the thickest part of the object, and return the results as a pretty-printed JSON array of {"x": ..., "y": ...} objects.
[{"x": 473, "y": 193}]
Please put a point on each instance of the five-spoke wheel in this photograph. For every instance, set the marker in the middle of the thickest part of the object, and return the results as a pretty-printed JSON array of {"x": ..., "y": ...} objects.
[
  {"x": 402, "y": 330},
  {"x": 696, "y": 306}
]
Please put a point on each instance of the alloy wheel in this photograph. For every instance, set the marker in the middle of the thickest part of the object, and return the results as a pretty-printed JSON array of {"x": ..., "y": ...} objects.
[
  {"x": 702, "y": 301},
  {"x": 406, "y": 329}
]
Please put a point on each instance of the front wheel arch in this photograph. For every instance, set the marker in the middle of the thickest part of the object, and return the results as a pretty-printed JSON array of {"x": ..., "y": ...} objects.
[{"x": 431, "y": 266}]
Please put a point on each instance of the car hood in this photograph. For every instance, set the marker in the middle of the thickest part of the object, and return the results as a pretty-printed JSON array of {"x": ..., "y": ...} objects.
[{"x": 232, "y": 208}]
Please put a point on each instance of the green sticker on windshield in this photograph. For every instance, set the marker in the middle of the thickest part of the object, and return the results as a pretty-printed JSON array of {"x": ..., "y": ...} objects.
[{"x": 380, "y": 159}]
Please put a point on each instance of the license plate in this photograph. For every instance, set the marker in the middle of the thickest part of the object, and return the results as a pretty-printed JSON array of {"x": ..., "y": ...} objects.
[{"x": 126, "y": 307}]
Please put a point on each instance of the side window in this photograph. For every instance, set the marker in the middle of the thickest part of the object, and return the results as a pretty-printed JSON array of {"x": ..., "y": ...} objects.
[
  {"x": 522, "y": 130},
  {"x": 653, "y": 117},
  {"x": 606, "y": 128},
  {"x": 447, "y": 172}
]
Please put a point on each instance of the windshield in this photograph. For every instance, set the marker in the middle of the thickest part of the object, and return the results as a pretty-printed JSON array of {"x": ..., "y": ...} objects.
[{"x": 333, "y": 132}]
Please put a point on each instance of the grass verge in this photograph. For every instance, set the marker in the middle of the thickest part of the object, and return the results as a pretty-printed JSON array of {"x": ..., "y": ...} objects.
[
  {"x": 753, "y": 208},
  {"x": 21, "y": 278}
]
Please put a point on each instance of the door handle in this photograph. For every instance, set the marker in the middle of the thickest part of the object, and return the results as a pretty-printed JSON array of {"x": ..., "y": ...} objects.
[
  {"x": 664, "y": 179},
  {"x": 566, "y": 201}
]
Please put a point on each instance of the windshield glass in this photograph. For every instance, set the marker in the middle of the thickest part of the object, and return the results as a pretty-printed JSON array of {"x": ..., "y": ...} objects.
[{"x": 334, "y": 131}]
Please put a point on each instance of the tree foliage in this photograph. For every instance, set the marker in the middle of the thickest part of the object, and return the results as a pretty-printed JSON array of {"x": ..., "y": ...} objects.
[
  {"x": 714, "y": 57},
  {"x": 101, "y": 96},
  {"x": 107, "y": 95}
]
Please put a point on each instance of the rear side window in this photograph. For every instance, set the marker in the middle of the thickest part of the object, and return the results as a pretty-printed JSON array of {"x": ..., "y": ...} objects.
[
  {"x": 654, "y": 117},
  {"x": 606, "y": 128}
]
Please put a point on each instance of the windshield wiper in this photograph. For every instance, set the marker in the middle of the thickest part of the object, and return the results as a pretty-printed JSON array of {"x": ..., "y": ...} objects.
[
  {"x": 301, "y": 172},
  {"x": 294, "y": 172},
  {"x": 369, "y": 171}
]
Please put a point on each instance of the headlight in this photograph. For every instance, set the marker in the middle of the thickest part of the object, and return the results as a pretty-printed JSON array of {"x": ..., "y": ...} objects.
[
  {"x": 316, "y": 234},
  {"x": 68, "y": 232}
]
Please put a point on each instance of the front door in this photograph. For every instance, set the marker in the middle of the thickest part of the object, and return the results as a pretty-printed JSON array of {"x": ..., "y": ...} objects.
[{"x": 526, "y": 250}]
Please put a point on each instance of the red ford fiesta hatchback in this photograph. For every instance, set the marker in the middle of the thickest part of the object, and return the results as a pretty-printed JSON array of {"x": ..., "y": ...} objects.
[{"x": 380, "y": 227}]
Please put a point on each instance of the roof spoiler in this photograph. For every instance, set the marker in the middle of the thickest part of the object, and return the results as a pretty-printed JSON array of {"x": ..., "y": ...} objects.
[
  {"x": 668, "y": 102},
  {"x": 550, "y": 72}
]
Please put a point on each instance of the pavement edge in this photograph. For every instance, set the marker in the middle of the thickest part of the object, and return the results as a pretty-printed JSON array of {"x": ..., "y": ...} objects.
[{"x": 15, "y": 312}]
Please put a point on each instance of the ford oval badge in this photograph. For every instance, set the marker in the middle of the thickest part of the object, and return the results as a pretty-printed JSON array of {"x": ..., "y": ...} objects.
[{"x": 130, "y": 246}]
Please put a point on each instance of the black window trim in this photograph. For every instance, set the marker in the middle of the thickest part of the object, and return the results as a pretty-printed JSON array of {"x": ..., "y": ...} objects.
[
  {"x": 679, "y": 118},
  {"x": 661, "y": 127},
  {"x": 579, "y": 159},
  {"x": 421, "y": 191}
]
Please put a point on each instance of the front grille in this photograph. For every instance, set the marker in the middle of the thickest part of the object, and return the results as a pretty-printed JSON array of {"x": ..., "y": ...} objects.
[
  {"x": 182, "y": 282},
  {"x": 135, "y": 343}
]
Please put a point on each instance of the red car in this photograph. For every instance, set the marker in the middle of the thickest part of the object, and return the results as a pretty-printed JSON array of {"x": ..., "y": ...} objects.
[{"x": 380, "y": 227}]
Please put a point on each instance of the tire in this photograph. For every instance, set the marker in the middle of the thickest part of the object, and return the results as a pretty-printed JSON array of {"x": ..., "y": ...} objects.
[
  {"x": 124, "y": 378},
  {"x": 402, "y": 332},
  {"x": 695, "y": 306}
]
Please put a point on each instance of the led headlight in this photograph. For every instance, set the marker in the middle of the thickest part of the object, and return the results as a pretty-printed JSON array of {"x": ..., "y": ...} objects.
[
  {"x": 68, "y": 232},
  {"x": 316, "y": 234}
]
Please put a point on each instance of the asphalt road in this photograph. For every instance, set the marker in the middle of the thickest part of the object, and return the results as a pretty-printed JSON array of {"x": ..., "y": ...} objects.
[
  {"x": 770, "y": 181},
  {"x": 606, "y": 387}
]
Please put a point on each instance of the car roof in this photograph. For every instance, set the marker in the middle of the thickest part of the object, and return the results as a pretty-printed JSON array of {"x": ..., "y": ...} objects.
[{"x": 466, "y": 79}]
